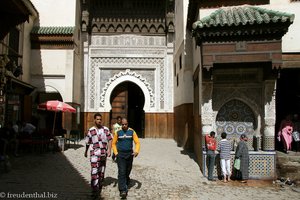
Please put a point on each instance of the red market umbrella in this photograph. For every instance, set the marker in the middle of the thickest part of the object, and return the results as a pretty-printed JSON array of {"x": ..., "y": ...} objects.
[{"x": 56, "y": 106}]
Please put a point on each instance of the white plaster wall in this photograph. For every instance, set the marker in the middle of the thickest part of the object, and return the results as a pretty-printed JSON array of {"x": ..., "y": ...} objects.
[
  {"x": 181, "y": 7},
  {"x": 56, "y": 12},
  {"x": 50, "y": 84},
  {"x": 51, "y": 62},
  {"x": 291, "y": 40},
  {"x": 183, "y": 93},
  {"x": 69, "y": 76},
  {"x": 55, "y": 67}
]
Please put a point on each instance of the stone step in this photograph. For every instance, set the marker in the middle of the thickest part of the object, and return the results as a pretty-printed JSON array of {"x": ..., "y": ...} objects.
[{"x": 288, "y": 165}]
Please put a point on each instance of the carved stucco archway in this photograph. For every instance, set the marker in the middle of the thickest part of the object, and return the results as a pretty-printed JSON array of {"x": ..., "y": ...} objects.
[{"x": 131, "y": 77}]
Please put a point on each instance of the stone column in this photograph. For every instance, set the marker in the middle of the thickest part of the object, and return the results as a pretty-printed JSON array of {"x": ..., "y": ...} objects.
[
  {"x": 206, "y": 108},
  {"x": 85, "y": 55},
  {"x": 268, "y": 138}
]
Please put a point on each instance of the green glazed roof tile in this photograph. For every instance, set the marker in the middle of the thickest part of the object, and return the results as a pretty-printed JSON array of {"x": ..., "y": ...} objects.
[
  {"x": 52, "y": 30},
  {"x": 242, "y": 15}
]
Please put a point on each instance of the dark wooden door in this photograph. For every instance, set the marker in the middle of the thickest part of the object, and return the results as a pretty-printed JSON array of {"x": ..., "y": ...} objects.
[
  {"x": 119, "y": 102},
  {"x": 127, "y": 100}
]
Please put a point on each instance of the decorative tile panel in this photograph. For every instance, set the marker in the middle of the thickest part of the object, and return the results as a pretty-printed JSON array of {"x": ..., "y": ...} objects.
[
  {"x": 261, "y": 165},
  {"x": 236, "y": 118},
  {"x": 268, "y": 143},
  {"x": 92, "y": 86}
]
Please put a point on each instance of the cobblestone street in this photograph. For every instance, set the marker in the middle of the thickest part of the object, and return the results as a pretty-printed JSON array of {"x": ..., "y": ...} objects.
[{"x": 161, "y": 171}]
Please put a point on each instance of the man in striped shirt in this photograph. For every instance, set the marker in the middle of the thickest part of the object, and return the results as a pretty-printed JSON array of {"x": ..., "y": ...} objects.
[{"x": 224, "y": 147}]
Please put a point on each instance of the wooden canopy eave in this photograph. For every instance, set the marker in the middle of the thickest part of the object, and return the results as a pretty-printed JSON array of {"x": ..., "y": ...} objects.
[
  {"x": 50, "y": 38},
  {"x": 241, "y": 33},
  {"x": 14, "y": 12},
  {"x": 52, "y": 41}
]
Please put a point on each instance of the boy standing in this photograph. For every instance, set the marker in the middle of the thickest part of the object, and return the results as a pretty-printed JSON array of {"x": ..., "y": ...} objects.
[
  {"x": 116, "y": 127},
  {"x": 224, "y": 147}
]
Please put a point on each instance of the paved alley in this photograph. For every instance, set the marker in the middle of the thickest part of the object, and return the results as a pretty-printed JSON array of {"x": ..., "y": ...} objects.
[{"x": 161, "y": 171}]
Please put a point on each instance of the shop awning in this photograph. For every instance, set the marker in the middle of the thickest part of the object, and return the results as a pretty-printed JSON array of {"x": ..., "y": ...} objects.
[{"x": 17, "y": 86}]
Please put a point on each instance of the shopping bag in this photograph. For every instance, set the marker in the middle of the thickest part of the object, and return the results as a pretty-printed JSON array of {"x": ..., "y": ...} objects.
[
  {"x": 237, "y": 164},
  {"x": 296, "y": 136}
]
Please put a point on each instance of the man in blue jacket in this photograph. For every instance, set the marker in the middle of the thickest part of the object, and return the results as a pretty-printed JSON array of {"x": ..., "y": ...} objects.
[{"x": 122, "y": 146}]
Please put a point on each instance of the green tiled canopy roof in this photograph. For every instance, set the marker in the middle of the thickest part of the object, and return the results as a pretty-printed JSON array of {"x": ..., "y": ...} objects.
[
  {"x": 242, "y": 20},
  {"x": 52, "y": 30},
  {"x": 52, "y": 37}
]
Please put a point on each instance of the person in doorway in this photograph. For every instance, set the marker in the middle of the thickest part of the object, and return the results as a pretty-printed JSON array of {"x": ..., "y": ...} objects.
[
  {"x": 122, "y": 146},
  {"x": 224, "y": 147},
  {"x": 17, "y": 127},
  {"x": 285, "y": 133},
  {"x": 211, "y": 146},
  {"x": 99, "y": 138},
  {"x": 27, "y": 129},
  {"x": 242, "y": 153},
  {"x": 116, "y": 127}
]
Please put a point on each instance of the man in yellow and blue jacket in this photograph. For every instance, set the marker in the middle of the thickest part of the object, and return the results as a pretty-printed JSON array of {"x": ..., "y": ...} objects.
[{"x": 122, "y": 145}]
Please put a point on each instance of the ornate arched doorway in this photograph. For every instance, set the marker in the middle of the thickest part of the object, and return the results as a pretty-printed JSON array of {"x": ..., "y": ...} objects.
[{"x": 127, "y": 100}]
